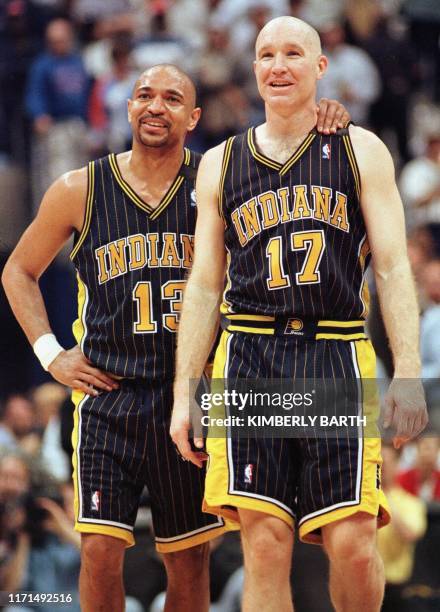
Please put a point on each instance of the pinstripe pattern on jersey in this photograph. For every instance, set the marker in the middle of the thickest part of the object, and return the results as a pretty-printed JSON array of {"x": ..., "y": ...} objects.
[
  {"x": 121, "y": 443},
  {"x": 331, "y": 478},
  {"x": 316, "y": 191},
  {"x": 110, "y": 267}
]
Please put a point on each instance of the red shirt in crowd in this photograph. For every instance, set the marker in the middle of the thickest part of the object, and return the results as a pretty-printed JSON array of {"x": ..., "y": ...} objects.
[{"x": 429, "y": 490}]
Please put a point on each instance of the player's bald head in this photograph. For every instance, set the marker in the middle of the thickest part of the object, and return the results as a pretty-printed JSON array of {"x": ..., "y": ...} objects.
[
  {"x": 289, "y": 29},
  {"x": 180, "y": 79}
]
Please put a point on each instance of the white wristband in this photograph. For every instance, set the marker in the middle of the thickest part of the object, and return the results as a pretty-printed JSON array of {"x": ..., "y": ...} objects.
[{"x": 47, "y": 348}]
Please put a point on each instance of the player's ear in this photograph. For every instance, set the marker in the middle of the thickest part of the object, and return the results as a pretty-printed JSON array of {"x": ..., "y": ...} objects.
[
  {"x": 129, "y": 103},
  {"x": 194, "y": 118},
  {"x": 322, "y": 66}
]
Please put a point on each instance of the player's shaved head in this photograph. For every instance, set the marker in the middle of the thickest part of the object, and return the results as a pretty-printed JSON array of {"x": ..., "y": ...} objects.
[
  {"x": 182, "y": 79},
  {"x": 290, "y": 29}
]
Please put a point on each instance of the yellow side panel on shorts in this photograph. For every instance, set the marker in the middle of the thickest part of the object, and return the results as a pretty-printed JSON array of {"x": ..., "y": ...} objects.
[{"x": 78, "y": 325}]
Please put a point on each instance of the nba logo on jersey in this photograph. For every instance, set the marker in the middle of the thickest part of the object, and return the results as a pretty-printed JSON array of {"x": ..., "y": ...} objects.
[
  {"x": 193, "y": 198},
  {"x": 96, "y": 500},
  {"x": 248, "y": 473},
  {"x": 326, "y": 151}
]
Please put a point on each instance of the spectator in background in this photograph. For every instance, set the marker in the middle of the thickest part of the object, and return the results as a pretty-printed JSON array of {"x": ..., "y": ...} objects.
[
  {"x": 48, "y": 399},
  {"x": 225, "y": 107},
  {"x": 56, "y": 99},
  {"x": 423, "y": 480},
  {"x": 351, "y": 76},
  {"x": 430, "y": 326},
  {"x": 420, "y": 187},
  {"x": 395, "y": 61},
  {"x": 396, "y": 541},
  {"x": 108, "y": 102},
  {"x": 15, "y": 480},
  {"x": 258, "y": 15},
  {"x": 161, "y": 46},
  {"x": 17, "y": 426}
]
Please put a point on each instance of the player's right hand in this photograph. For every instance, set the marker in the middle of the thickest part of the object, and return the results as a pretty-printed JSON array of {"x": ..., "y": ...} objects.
[
  {"x": 72, "y": 368},
  {"x": 179, "y": 432}
]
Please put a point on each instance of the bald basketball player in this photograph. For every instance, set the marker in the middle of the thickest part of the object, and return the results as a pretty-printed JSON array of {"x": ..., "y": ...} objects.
[{"x": 295, "y": 216}]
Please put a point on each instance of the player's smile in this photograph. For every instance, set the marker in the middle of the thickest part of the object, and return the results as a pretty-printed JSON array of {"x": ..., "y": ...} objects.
[{"x": 154, "y": 125}]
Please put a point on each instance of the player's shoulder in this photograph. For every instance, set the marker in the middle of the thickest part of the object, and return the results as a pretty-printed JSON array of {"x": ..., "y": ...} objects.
[
  {"x": 365, "y": 139},
  {"x": 369, "y": 149},
  {"x": 70, "y": 183},
  {"x": 213, "y": 158}
]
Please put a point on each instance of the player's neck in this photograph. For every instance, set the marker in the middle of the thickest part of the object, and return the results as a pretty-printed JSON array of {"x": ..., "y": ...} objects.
[
  {"x": 292, "y": 126},
  {"x": 154, "y": 161}
]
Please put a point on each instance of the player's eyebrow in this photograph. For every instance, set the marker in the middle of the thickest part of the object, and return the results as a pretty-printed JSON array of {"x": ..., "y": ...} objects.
[
  {"x": 287, "y": 45},
  {"x": 173, "y": 92}
]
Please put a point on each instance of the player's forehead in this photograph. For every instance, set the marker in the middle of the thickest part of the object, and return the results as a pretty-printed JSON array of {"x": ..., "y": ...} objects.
[
  {"x": 287, "y": 31},
  {"x": 164, "y": 79}
]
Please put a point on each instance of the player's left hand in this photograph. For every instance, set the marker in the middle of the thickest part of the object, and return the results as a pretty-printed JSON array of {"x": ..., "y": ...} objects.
[
  {"x": 179, "y": 432},
  {"x": 332, "y": 115},
  {"x": 405, "y": 409}
]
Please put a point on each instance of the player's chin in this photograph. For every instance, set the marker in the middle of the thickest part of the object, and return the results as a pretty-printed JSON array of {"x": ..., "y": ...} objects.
[{"x": 154, "y": 141}]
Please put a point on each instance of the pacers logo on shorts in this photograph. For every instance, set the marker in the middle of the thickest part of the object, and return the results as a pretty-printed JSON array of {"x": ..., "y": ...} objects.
[
  {"x": 294, "y": 326},
  {"x": 96, "y": 501}
]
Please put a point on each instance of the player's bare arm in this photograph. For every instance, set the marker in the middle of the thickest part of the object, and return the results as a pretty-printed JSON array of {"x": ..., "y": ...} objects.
[
  {"x": 332, "y": 115},
  {"x": 61, "y": 212},
  {"x": 200, "y": 311},
  {"x": 383, "y": 213}
]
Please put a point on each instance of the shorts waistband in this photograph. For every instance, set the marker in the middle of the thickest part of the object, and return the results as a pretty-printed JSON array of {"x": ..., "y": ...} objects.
[{"x": 301, "y": 328}]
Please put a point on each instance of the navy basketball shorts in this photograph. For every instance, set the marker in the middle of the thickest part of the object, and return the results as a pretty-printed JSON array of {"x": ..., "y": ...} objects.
[
  {"x": 121, "y": 443},
  {"x": 309, "y": 481}
]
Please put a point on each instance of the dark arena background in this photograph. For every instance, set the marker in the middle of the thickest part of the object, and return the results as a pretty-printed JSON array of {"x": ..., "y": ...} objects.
[{"x": 63, "y": 93}]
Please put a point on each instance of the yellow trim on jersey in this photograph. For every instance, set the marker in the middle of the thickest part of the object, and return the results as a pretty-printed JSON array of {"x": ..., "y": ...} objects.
[
  {"x": 170, "y": 195},
  {"x": 78, "y": 325},
  {"x": 125, "y": 186},
  {"x": 225, "y": 164},
  {"x": 359, "y": 336},
  {"x": 364, "y": 291},
  {"x": 282, "y": 168},
  {"x": 262, "y": 158},
  {"x": 250, "y": 317},
  {"x": 325, "y": 323},
  {"x": 372, "y": 500},
  {"x": 153, "y": 212},
  {"x": 88, "y": 210},
  {"x": 289, "y": 163},
  {"x": 353, "y": 163},
  {"x": 253, "y": 330},
  {"x": 108, "y": 530},
  {"x": 199, "y": 538}
]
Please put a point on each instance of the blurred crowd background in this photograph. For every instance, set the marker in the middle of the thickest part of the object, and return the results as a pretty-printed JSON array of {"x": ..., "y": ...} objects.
[{"x": 67, "y": 68}]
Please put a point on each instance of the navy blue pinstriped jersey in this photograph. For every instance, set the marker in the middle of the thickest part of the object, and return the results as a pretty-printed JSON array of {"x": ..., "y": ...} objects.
[
  {"x": 132, "y": 262},
  {"x": 294, "y": 232}
]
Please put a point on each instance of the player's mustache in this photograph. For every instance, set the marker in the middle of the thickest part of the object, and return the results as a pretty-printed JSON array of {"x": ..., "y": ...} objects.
[{"x": 155, "y": 118}]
